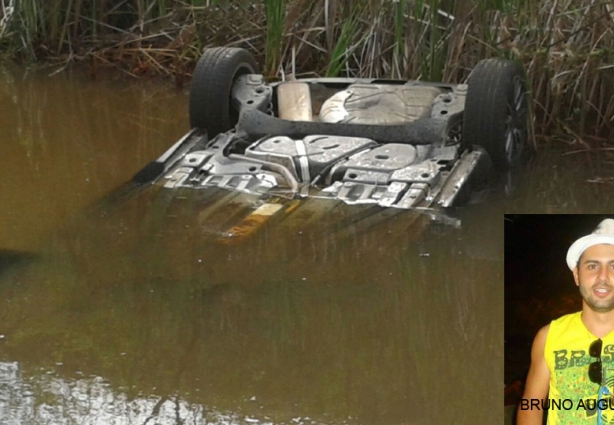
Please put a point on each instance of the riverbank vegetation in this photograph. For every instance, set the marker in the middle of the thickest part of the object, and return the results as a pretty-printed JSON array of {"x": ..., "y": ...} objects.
[{"x": 565, "y": 45}]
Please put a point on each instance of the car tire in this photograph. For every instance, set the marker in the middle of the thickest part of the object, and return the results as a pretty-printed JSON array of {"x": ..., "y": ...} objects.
[
  {"x": 210, "y": 102},
  {"x": 497, "y": 110}
]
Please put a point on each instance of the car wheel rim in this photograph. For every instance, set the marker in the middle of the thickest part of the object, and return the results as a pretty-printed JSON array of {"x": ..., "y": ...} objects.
[{"x": 516, "y": 131}]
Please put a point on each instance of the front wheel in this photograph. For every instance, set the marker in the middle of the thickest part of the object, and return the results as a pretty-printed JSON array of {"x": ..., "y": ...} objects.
[{"x": 496, "y": 114}]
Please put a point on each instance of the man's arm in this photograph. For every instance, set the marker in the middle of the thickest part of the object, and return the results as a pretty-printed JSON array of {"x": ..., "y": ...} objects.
[{"x": 538, "y": 381}]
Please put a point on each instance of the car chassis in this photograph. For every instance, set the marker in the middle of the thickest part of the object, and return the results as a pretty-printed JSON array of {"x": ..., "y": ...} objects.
[{"x": 394, "y": 143}]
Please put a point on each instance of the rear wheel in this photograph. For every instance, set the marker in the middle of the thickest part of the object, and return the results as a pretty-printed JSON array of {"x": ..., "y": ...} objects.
[
  {"x": 496, "y": 114},
  {"x": 211, "y": 108}
]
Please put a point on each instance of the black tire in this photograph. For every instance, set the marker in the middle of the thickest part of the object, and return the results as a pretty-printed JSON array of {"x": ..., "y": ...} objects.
[
  {"x": 215, "y": 72},
  {"x": 496, "y": 114}
]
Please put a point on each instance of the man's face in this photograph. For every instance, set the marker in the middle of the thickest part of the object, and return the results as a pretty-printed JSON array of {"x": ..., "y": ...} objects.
[{"x": 594, "y": 275}]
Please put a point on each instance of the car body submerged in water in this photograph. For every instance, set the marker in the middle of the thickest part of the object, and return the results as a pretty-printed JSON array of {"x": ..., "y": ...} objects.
[{"x": 384, "y": 143}]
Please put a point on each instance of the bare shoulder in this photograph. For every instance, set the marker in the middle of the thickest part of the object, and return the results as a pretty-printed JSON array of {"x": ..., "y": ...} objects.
[
  {"x": 538, "y": 379},
  {"x": 542, "y": 334},
  {"x": 539, "y": 343}
]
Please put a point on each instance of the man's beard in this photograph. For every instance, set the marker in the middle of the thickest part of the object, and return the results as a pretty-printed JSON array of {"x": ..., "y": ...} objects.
[{"x": 596, "y": 304}]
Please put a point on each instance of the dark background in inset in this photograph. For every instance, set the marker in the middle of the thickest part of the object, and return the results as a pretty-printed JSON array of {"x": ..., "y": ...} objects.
[{"x": 539, "y": 286}]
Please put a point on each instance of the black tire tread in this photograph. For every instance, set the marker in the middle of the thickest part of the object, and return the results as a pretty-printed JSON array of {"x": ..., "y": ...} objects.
[
  {"x": 211, "y": 85},
  {"x": 486, "y": 106}
]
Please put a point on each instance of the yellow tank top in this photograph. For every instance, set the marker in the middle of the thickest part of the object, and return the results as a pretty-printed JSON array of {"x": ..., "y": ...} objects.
[{"x": 568, "y": 359}]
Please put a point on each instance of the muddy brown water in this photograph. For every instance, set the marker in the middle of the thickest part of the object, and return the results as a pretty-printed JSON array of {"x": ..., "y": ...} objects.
[{"x": 134, "y": 310}]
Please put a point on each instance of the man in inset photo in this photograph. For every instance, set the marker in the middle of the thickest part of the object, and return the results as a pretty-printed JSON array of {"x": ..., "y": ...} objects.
[{"x": 571, "y": 373}]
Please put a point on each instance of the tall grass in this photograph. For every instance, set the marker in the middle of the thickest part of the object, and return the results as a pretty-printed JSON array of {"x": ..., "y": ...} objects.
[
  {"x": 566, "y": 45},
  {"x": 345, "y": 43},
  {"x": 398, "y": 59},
  {"x": 275, "y": 14}
]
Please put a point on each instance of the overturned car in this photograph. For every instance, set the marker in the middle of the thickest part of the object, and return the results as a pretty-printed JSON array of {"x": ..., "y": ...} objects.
[{"x": 391, "y": 143}]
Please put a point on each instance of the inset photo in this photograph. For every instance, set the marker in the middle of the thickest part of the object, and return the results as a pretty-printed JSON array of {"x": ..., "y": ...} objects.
[{"x": 559, "y": 319}]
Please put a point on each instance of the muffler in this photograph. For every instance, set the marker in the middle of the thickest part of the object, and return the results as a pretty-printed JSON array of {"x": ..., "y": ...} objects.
[{"x": 294, "y": 101}]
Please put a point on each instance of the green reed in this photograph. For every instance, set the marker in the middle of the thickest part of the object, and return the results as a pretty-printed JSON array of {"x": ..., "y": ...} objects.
[
  {"x": 345, "y": 44},
  {"x": 399, "y": 39},
  {"x": 275, "y": 12}
]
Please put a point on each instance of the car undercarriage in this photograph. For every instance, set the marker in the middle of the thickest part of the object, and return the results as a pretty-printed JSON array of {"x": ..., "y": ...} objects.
[{"x": 391, "y": 143}]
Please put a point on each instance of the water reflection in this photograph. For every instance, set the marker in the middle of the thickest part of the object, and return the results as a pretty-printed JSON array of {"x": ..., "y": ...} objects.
[
  {"x": 558, "y": 182},
  {"x": 143, "y": 306},
  {"x": 374, "y": 335},
  {"x": 49, "y": 399},
  {"x": 66, "y": 141}
]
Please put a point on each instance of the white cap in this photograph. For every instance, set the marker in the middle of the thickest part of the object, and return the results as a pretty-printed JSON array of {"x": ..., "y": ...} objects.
[{"x": 603, "y": 234}]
